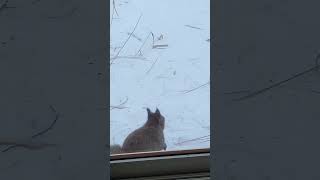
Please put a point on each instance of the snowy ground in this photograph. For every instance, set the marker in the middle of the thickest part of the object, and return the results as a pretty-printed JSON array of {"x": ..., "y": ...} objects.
[{"x": 164, "y": 63}]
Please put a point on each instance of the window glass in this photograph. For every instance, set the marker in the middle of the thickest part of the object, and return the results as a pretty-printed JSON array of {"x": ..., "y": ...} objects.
[{"x": 160, "y": 60}]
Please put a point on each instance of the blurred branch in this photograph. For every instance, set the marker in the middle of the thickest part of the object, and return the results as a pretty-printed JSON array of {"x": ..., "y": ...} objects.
[
  {"x": 193, "y": 89},
  {"x": 193, "y": 27},
  {"x": 160, "y": 46},
  {"x": 120, "y": 106},
  {"x": 114, "y": 58},
  {"x": 202, "y": 138},
  {"x": 32, "y": 145},
  {"x": 152, "y": 65},
  {"x": 139, "y": 51},
  {"x": 263, "y": 90},
  {"x": 24, "y": 144},
  {"x": 132, "y": 57},
  {"x": 135, "y": 36},
  {"x": 5, "y": 5},
  {"x": 114, "y": 10}
]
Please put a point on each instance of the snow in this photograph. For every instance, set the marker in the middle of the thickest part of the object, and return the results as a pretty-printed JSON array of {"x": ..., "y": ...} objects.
[{"x": 161, "y": 78}]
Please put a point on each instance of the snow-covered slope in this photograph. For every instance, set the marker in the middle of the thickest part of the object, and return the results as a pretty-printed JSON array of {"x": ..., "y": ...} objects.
[{"x": 160, "y": 54}]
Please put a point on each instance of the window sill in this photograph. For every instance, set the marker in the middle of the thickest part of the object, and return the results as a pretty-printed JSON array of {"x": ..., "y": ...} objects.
[{"x": 161, "y": 165}]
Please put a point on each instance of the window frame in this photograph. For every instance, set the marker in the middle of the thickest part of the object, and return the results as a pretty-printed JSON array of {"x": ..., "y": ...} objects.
[{"x": 161, "y": 165}]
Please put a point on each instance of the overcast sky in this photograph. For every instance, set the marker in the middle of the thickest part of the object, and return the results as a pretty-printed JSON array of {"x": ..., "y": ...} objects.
[{"x": 164, "y": 63}]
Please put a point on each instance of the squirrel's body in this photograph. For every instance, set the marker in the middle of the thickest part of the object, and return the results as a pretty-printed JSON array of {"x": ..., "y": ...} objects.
[
  {"x": 144, "y": 139},
  {"x": 149, "y": 137}
]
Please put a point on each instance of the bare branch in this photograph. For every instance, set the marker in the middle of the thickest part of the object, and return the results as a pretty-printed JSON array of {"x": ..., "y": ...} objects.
[
  {"x": 135, "y": 36},
  {"x": 114, "y": 10},
  {"x": 51, "y": 125},
  {"x": 160, "y": 46},
  {"x": 193, "y": 89},
  {"x": 114, "y": 7},
  {"x": 133, "y": 57},
  {"x": 120, "y": 106},
  {"x": 126, "y": 40},
  {"x": 32, "y": 145},
  {"x": 193, "y": 27},
  {"x": 202, "y": 138},
  {"x": 237, "y": 92},
  {"x": 139, "y": 51},
  {"x": 312, "y": 69},
  {"x": 5, "y": 5},
  {"x": 152, "y": 66},
  {"x": 276, "y": 84},
  {"x": 25, "y": 144}
]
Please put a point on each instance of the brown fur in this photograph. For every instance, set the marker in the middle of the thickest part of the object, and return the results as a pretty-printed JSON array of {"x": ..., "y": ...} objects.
[{"x": 149, "y": 137}]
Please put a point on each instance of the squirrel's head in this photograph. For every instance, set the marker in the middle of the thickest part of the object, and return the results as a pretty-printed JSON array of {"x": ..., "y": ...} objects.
[{"x": 155, "y": 119}]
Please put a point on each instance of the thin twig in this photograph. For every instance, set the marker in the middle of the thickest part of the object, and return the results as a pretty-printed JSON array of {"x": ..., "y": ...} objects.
[
  {"x": 152, "y": 39},
  {"x": 195, "y": 139},
  {"x": 114, "y": 10},
  {"x": 27, "y": 145},
  {"x": 133, "y": 57},
  {"x": 187, "y": 91},
  {"x": 126, "y": 40},
  {"x": 139, "y": 51},
  {"x": 193, "y": 27},
  {"x": 114, "y": 7},
  {"x": 135, "y": 36},
  {"x": 117, "y": 107},
  {"x": 152, "y": 66},
  {"x": 314, "y": 68},
  {"x": 51, "y": 125},
  {"x": 160, "y": 46},
  {"x": 237, "y": 92},
  {"x": 5, "y": 5},
  {"x": 276, "y": 84},
  {"x": 120, "y": 106},
  {"x": 36, "y": 145}
]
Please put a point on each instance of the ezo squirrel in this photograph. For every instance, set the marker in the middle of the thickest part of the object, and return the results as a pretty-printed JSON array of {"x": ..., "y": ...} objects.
[{"x": 149, "y": 137}]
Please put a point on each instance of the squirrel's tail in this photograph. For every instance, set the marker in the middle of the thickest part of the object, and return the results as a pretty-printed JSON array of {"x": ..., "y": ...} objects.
[{"x": 115, "y": 149}]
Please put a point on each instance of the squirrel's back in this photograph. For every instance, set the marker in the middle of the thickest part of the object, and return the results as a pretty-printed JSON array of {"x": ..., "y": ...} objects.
[{"x": 149, "y": 137}]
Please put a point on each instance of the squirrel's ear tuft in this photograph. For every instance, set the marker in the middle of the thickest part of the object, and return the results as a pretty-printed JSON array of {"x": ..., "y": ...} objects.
[
  {"x": 148, "y": 110},
  {"x": 157, "y": 111}
]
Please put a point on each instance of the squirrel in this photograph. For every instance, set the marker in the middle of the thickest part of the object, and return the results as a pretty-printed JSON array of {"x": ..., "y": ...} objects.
[{"x": 149, "y": 137}]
